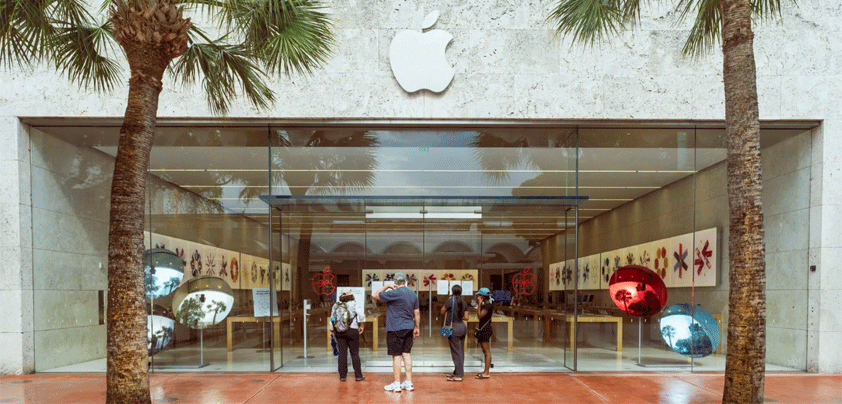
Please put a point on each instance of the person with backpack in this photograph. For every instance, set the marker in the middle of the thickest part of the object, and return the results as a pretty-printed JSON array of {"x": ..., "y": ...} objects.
[{"x": 346, "y": 324}]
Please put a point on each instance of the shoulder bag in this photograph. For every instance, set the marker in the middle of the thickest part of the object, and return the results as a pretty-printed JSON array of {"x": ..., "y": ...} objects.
[{"x": 447, "y": 330}]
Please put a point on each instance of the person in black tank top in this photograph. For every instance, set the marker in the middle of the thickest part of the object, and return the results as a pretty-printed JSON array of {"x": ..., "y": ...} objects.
[{"x": 484, "y": 329}]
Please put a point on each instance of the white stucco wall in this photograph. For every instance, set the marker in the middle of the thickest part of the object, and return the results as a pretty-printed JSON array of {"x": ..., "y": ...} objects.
[{"x": 507, "y": 67}]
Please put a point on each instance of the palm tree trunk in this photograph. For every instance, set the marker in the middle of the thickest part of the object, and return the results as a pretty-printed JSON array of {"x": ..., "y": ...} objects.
[
  {"x": 744, "y": 367},
  {"x": 127, "y": 374}
]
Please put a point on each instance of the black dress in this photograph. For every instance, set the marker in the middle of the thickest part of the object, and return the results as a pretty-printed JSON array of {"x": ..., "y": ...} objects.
[{"x": 485, "y": 328}]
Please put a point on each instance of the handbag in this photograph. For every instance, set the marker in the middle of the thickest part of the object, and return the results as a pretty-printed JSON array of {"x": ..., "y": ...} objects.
[
  {"x": 478, "y": 330},
  {"x": 447, "y": 330}
]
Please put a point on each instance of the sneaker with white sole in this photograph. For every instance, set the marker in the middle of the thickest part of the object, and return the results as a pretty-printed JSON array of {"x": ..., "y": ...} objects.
[
  {"x": 395, "y": 386},
  {"x": 407, "y": 385}
]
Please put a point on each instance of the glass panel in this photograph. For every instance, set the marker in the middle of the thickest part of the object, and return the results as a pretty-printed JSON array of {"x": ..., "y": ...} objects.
[
  {"x": 203, "y": 207},
  {"x": 786, "y": 158},
  {"x": 434, "y": 204},
  {"x": 641, "y": 184}
]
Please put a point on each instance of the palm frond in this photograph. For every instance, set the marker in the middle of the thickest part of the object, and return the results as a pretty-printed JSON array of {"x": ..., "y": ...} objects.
[
  {"x": 22, "y": 27},
  {"x": 630, "y": 10},
  {"x": 705, "y": 34},
  {"x": 592, "y": 21},
  {"x": 766, "y": 9},
  {"x": 78, "y": 52},
  {"x": 287, "y": 35},
  {"x": 497, "y": 156},
  {"x": 224, "y": 68}
]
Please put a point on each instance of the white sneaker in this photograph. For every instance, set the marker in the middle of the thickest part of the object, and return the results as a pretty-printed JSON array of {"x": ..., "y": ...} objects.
[
  {"x": 395, "y": 386},
  {"x": 407, "y": 385}
]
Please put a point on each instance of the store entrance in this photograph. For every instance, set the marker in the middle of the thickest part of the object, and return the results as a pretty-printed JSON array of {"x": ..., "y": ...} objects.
[{"x": 340, "y": 244}]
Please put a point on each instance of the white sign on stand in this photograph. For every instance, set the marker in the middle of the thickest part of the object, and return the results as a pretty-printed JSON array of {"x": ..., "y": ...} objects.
[
  {"x": 376, "y": 285},
  {"x": 443, "y": 287},
  {"x": 467, "y": 288},
  {"x": 261, "y": 298}
]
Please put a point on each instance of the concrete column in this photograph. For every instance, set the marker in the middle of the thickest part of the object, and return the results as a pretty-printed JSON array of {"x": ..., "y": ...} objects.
[
  {"x": 825, "y": 298},
  {"x": 16, "y": 296}
]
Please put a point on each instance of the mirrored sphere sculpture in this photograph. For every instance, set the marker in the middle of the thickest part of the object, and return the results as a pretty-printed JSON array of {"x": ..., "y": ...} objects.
[
  {"x": 690, "y": 331},
  {"x": 637, "y": 291},
  {"x": 160, "y": 327},
  {"x": 164, "y": 271},
  {"x": 202, "y": 302}
]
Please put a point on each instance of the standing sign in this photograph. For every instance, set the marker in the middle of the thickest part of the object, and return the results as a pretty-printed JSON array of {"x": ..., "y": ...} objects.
[{"x": 262, "y": 302}]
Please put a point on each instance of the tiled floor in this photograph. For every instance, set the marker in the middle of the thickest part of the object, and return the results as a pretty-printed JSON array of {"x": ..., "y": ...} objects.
[
  {"x": 211, "y": 388},
  {"x": 431, "y": 353}
]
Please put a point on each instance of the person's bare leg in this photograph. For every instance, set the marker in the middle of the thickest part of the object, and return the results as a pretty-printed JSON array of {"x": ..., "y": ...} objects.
[
  {"x": 407, "y": 363},
  {"x": 396, "y": 368},
  {"x": 486, "y": 349}
]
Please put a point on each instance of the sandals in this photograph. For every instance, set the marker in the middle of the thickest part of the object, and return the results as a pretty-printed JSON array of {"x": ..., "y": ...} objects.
[
  {"x": 482, "y": 376},
  {"x": 454, "y": 379}
]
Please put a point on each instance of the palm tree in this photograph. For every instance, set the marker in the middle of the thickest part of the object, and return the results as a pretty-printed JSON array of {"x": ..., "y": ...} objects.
[
  {"x": 190, "y": 312},
  {"x": 591, "y": 21},
  {"x": 500, "y": 152},
  {"x": 624, "y": 296},
  {"x": 216, "y": 307},
  {"x": 668, "y": 332},
  {"x": 150, "y": 285},
  {"x": 171, "y": 284},
  {"x": 278, "y": 36},
  {"x": 307, "y": 162}
]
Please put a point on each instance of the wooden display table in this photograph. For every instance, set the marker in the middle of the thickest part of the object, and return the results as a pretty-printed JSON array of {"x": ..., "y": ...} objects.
[
  {"x": 582, "y": 318},
  {"x": 494, "y": 319},
  {"x": 374, "y": 319},
  {"x": 276, "y": 321}
]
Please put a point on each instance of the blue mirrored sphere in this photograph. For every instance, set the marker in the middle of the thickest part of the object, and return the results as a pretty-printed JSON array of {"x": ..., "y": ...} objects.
[{"x": 690, "y": 330}]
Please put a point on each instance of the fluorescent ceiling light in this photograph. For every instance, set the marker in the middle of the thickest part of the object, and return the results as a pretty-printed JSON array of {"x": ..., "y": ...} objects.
[
  {"x": 429, "y": 212},
  {"x": 419, "y": 215}
]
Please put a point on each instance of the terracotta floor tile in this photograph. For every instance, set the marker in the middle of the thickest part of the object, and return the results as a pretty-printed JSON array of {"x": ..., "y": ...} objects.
[
  {"x": 655, "y": 388},
  {"x": 579, "y": 388}
]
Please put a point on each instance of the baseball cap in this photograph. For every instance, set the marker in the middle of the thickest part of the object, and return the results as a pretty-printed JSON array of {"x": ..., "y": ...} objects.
[
  {"x": 400, "y": 276},
  {"x": 484, "y": 292}
]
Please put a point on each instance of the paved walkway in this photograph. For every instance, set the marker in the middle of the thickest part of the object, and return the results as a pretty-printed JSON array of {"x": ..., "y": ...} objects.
[{"x": 254, "y": 388}]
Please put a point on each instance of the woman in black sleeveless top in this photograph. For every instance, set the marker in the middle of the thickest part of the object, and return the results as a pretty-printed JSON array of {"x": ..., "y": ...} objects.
[{"x": 484, "y": 330}]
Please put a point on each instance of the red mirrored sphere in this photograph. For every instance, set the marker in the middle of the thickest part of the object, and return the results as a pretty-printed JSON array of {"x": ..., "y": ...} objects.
[{"x": 638, "y": 291}]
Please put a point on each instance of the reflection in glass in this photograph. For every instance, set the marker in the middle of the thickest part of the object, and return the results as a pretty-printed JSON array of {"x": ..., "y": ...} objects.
[
  {"x": 637, "y": 290},
  {"x": 164, "y": 271},
  {"x": 160, "y": 327},
  {"x": 202, "y": 302},
  {"x": 691, "y": 332}
]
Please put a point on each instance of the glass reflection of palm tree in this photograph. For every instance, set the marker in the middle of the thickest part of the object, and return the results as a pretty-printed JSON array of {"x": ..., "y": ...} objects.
[
  {"x": 216, "y": 307},
  {"x": 623, "y": 295},
  {"x": 668, "y": 332},
  {"x": 317, "y": 162},
  {"x": 171, "y": 284},
  {"x": 151, "y": 284},
  {"x": 500, "y": 153},
  {"x": 190, "y": 312}
]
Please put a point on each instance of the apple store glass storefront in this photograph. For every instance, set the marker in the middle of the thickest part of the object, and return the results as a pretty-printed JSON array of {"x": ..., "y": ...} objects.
[{"x": 604, "y": 246}]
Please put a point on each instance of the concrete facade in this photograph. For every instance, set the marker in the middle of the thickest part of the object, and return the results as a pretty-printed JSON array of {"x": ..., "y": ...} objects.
[{"x": 508, "y": 67}]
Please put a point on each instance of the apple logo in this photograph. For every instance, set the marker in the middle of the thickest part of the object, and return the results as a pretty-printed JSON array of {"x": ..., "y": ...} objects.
[{"x": 418, "y": 60}]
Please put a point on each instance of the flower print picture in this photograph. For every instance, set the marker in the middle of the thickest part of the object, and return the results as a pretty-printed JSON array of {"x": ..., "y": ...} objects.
[
  {"x": 196, "y": 264},
  {"x": 235, "y": 269},
  {"x": 223, "y": 272}
]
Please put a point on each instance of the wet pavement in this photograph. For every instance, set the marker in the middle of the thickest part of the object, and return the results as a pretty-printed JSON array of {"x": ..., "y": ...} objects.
[{"x": 254, "y": 388}]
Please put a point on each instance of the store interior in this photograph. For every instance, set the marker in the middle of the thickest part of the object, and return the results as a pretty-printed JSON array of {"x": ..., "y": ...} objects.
[{"x": 544, "y": 216}]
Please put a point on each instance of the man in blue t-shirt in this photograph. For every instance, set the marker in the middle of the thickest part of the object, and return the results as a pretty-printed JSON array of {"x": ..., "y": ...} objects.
[{"x": 403, "y": 319}]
